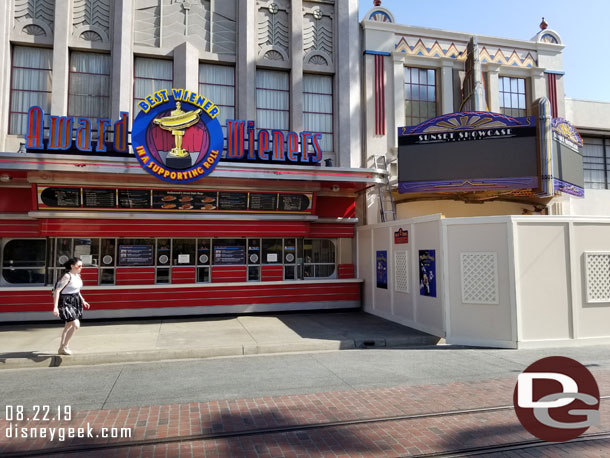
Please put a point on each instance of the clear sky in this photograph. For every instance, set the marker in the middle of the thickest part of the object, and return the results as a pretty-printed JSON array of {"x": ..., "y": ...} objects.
[{"x": 584, "y": 27}]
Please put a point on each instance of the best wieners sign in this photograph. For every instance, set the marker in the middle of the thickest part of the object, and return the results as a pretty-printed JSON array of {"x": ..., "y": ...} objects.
[{"x": 176, "y": 137}]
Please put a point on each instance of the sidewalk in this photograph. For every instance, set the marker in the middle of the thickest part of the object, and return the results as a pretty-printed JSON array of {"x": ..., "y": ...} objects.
[{"x": 102, "y": 342}]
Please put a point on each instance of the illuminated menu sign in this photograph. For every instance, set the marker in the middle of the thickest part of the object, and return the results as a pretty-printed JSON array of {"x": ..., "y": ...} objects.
[
  {"x": 167, "y": 200},
  {"x": 135, "y": 255}
]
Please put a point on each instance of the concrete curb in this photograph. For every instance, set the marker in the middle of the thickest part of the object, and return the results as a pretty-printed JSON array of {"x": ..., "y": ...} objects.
[{"x": 85, "y": 359}]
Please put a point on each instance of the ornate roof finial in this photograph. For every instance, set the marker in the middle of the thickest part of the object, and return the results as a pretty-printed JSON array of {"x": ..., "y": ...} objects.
[
  {"x": 376, "y": 2},
  {"x": 543, "y": 25}
]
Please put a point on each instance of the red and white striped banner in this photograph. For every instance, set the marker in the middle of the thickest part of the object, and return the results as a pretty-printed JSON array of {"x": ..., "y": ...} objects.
[{"x": 379, "y": 95}]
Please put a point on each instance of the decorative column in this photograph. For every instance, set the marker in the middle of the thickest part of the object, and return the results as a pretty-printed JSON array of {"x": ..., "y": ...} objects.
[
  {"x": 348, "y": 84},
  {"x": 446, "y": 82},
  {"x": 538, "y": 83},
  {"x": 399, "y": 96},
  {"x": 493, "y": 87},
  {"x": 5, "y": 72},
  {"x": 246, "y": 60},
  {"x": 122, "y": 59},
  {"x": 61, "y": 58},
  {"x": 186, "y": 67},
  {"x": 296, "y": 62}
]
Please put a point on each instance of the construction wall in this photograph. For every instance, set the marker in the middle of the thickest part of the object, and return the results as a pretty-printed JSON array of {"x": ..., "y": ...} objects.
[
  {"x": 503, "y": 281},
  {"x": 401, "y": 300}
]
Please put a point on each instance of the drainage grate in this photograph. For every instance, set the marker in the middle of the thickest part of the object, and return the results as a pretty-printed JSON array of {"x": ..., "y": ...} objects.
[{"x": 370, "y": 343}]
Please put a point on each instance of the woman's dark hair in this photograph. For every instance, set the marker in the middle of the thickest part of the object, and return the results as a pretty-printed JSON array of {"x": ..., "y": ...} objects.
[{"x": 70, "y": 262}]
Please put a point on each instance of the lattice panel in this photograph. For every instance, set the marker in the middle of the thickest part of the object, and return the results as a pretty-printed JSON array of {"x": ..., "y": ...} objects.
[
  {"x": 479, "y": 278},
  {"x": 401, "y": 271},
  {"x": 598, "y": 277}
]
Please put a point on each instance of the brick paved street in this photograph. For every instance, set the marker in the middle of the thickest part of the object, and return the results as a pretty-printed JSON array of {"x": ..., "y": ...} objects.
[{"x": 374, "y": 439}]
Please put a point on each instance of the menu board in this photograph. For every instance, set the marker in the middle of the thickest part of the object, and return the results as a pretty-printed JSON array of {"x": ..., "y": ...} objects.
[
  {"x": 294, "y": 202},
  {"x": 262, "y": 201},
  {"x": 183, "y": 200},
  {"x": 135, "y": 255},
  {"x": 134, "y": 198},
  {"x": 126, "y": 199},
  {"x": 229, "y": 255},
  {"x": 236, "y": 201},
  {"x": 60, "y": 197},
  {"x": 99, "y": 198}
]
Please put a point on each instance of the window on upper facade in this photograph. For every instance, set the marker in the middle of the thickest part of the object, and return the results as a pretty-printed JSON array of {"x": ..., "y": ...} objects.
[
  {"x": 272, "y": 100},
  {"x": 420, "y": 95},
  {"x": 596, "y": 162},
  {"x": 89, "y": 88},
  {"x": 217, "y": 83},
  {"x": 150, "y": 75},
  {"x": 31, "y": 78},
  {"x": 318, "y": 108},
  {"x": 512, "y": 96}
]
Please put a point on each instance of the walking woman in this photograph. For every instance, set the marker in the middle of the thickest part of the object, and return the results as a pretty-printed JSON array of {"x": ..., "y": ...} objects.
[{"x": 68, "y": 302}]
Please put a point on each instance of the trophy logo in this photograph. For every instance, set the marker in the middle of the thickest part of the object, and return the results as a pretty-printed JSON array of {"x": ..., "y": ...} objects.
[
  {"x": 177, "y": 123},
  {"x": 176, "y": 136}
]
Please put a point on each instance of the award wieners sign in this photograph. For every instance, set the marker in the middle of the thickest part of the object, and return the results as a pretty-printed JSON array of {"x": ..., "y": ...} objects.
[{"x": 176, "y": 136}]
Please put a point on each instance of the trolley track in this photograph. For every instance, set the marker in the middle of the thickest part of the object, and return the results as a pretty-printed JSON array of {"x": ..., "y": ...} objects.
[{"x": 468, "y": 451}]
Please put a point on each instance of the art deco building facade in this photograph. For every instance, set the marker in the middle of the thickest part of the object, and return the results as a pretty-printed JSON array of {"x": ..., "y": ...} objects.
[{"x": 270, "y": 231}]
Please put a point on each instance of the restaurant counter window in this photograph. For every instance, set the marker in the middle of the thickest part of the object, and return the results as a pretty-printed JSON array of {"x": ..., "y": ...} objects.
[
  {"x": 183, "y": 252},
  {"x": 23, "y": 262},
  {"x": 272, "y": 251},
  {"x": 63, "y": 252},
  {"x": 88, "y": 250},
  {"x": 319, "y": 258}
]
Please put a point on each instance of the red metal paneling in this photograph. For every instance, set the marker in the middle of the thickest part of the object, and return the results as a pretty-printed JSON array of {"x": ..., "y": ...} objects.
[
  {"x": 89, "y": 276},
  {"x": 226, "y": 274},
  {"x": 332, "y": 230},
  {"x": 336, "y": 207},
  {"x": 135, "y": 276},
  {"x": 272, "y": 273},
  {"x": 346, "y": 271},
  {"x": 166, "y": 228},
  {"x": 15, "y": 200},
  {"x": 183, "y": 275},
  {"x": 171, "y": 228},
  {"x": 19, "y": 228},
  {"x": 26, "y": 301},
  {"x": 158, "y": 297}
]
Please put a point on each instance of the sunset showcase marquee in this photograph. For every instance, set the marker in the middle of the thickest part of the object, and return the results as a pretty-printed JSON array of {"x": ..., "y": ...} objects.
[{"x": 176, "y": 137}]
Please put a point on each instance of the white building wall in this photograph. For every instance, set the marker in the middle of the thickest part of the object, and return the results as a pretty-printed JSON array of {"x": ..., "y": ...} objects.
[{"x": 591, "y": 119}]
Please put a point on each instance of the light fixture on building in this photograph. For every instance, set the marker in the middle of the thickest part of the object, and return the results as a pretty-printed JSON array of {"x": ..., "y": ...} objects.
[{"x": 5, "y": 178}]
